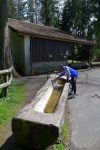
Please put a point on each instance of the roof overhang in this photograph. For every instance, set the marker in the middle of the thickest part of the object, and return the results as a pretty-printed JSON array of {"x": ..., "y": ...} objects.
[{"x": 30, "y": 29}]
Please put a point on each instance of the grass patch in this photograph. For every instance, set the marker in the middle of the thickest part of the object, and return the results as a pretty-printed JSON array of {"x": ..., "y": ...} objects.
[
  {"x": 62, "y": 144},
  {"x": 79, "y": 64},
  {"x": 65, "y": 131},
  {"x": 75, "y": 61},
  {"x": 9, "y": 105}
]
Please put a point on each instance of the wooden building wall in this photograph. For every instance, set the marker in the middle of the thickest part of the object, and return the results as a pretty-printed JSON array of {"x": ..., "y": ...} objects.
[
  {"x": 48, "y": 50},
  {"x": 47, "y": 55},
  {"x": 17, "y": 48}
]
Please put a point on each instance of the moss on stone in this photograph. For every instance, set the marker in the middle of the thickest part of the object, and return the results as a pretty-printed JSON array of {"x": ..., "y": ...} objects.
[{"x": 33, "y": 135}]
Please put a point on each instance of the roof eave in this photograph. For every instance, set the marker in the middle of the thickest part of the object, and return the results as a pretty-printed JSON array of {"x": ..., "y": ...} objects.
[{"x": 77, "y": 41}]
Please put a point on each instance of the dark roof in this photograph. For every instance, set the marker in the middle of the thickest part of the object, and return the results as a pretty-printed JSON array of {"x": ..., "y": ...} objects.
[{"x": 44, "y": 32}]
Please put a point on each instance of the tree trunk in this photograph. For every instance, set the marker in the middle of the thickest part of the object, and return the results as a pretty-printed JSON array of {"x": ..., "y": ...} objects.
[{"x": 5, "y": 53}]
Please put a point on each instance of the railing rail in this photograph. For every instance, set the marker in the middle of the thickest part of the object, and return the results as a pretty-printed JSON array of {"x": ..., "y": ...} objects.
[
  {"x": 6, "y": 71},
  {"x": 7, "y": 79}
]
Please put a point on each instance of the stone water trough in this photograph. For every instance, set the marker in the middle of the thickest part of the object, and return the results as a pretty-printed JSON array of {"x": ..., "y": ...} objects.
[{"x": 35, "y": 127}]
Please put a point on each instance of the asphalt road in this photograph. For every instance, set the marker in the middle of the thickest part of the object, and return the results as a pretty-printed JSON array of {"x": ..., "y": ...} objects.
[{"x": 85, "y": 112}]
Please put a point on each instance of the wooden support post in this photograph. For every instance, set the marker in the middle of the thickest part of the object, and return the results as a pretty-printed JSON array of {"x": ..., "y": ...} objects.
[
  {"x": 7, "y": 79},
  {"x": 67, "y": 53},
  {"x": 5, "y": 90},
  {"x": 89, "y": 56},
  {"x": 73, "y": 54}
]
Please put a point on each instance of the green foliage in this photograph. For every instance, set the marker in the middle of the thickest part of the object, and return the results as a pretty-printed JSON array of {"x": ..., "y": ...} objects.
[
  {"x": 17, "y": 9},
  {"x": 82, "y": 19},
  {"x": 58, "y": 146},
  {"x": 20, "y": 9},
  {"x": 65, "y": 131},
  {"x": 10, "y": 104},
  {"x": 61, "y": 144},
  {"x": 75, "y": 17},
  {"x": 11, "y": 9},
  {"x": 49, "y": 12},
  {"x": 67, "y": 17},
  {"x": 95, "y": 54},
  {"x": 98, "y": 34},
  {"x": 30, "y": 10},
  {"x": 96, "y": 50}
]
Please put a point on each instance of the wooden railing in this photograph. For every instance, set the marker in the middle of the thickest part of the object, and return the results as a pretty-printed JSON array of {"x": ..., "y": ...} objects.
[{"x": 6, "y": 79}]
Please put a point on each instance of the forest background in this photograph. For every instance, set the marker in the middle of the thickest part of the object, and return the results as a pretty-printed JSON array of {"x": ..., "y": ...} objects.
[{"x": 80, "y": 18}]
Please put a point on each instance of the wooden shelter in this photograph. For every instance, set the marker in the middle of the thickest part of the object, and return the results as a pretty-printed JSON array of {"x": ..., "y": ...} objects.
[{"x": 39, "y": 49}]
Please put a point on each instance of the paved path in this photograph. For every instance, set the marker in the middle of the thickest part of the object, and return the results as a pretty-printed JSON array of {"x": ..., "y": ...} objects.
[
  {"x": 85, "y": 112},
  {"x": 33, "y": 84}
]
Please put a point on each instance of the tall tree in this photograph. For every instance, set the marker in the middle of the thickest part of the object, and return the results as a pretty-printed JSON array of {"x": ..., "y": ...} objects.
[
  {"x": 37, "y": 8},
  {"x": 77, "y": 10},
  {"x": 20, "y": 9},
  {"x": 48, "y": 12},
  {"x": 33, "y": 11},
  {"x": 30, "y": 10},
  {"x": 5, "y": 57},
  {"x": 71, "y": 18},
  {"x": 97, "y": 26},
  {"x": 11, "y": 9},
  {"x": 76, "y": 17},
  {"x": 58, "y": 11},
  {"x": 97, "y": 22},
  {"x": 67, "y": 16}
]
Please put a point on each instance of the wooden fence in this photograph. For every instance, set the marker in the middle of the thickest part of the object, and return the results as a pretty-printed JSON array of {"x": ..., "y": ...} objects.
[{"x": 6, "y": 77}]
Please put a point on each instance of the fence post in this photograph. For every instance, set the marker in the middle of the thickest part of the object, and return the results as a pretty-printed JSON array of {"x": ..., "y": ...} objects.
[
  {"x": 5, "y": 90},
  {"x": 7, "y": 79}
]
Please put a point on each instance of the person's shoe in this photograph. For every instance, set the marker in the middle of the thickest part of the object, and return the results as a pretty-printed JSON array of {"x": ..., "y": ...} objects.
[
  {"x": 76, "y": 94},
  {"x": 73, "y": 95},
  {"x": 69, "y": 94}
]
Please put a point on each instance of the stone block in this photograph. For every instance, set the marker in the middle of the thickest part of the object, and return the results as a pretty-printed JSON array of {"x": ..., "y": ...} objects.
[{"x": 34, "y": 129}]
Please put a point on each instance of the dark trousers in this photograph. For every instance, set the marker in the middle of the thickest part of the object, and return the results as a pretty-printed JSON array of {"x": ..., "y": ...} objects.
[{"x": 73, "y": 83}]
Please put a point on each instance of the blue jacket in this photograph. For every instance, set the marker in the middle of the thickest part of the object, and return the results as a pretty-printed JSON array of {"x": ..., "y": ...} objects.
[{"x": 68, "y": 71}]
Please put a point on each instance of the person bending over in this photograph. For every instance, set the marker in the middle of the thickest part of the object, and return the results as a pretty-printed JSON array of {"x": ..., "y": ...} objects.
[{"x": 71, "y": 75}]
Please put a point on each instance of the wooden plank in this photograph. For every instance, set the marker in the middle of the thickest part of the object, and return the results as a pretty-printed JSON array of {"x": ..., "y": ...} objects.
[
  {"x": 6, "y": 84},
  {"x": 6, "y": 71}
]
